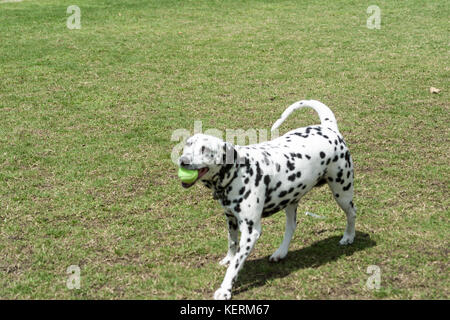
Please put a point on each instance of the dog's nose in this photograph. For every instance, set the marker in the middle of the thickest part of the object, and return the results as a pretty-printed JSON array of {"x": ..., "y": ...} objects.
[{"x": 184, "y": 161}]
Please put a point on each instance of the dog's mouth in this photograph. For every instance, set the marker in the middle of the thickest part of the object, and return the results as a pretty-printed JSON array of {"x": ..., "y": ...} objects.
[{"x": 201, "y": 173}]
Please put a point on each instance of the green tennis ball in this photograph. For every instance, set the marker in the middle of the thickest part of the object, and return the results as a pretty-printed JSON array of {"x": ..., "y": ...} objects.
[{"x": 187, "y": 176}]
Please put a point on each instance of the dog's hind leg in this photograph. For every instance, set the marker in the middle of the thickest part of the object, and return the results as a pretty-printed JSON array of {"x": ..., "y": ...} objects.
[
  {"x": 232, "y": 238},
  {"x": 341, "y": 184},
  {"x": 291, "y": 224}
]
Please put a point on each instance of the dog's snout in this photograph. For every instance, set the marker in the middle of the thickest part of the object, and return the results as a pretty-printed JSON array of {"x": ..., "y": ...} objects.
[{"x": 184, "y": 161}]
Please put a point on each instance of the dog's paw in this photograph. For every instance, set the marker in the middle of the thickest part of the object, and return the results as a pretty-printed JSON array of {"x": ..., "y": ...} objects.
[
  {"x": 222, "y": 294},
  {"x": 346, "y": 239},
  {"x": 277, "y": 256},
  {"x": 225, "y": 261}
]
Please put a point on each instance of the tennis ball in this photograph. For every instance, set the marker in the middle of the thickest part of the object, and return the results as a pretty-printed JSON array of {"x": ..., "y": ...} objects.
[{"x": 187, "y": 176}]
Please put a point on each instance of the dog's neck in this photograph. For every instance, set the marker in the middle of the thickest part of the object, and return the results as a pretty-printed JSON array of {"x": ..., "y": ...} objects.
[{"x": 228, "y": 172}]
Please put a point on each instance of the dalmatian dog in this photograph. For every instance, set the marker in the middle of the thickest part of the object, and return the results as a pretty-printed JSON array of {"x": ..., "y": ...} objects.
[{"x": 255, "y": 181}]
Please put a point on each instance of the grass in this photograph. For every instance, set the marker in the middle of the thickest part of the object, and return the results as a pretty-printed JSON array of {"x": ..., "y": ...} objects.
[{"x": 86, "y": 119}]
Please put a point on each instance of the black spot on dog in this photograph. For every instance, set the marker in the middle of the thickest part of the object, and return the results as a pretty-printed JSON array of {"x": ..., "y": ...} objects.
[
  {"x": 258, "y": 174},
  {"x": 290, "y": 165},
  {"x": 322, "y": 154},
  {"x": 292, "y": 177},
  {"x": 347, "y": 186},
  {"x": 301, "y": 135}
]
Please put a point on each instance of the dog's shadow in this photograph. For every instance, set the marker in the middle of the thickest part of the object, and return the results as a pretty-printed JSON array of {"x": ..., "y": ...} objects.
[{"x": 257, "y": 272}]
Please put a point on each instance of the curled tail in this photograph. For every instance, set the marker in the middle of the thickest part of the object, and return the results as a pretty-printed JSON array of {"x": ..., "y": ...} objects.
[{"x": 325, "y": 114}]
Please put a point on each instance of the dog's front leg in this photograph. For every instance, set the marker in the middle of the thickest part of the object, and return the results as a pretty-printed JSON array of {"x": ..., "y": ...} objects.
[
  {"x": 250, "y": 232},
  {"x": 232, "y": 238}
]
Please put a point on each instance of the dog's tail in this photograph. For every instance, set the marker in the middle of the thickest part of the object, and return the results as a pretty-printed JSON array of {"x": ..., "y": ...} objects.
[{"x": 325, "y": 114}]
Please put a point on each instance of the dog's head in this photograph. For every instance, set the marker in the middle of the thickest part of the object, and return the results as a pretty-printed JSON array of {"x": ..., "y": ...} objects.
[{"x": 204, "y": 153}]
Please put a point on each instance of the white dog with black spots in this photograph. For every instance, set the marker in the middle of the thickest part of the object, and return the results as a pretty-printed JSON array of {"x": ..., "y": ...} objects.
[{"x": 255, "y": 181}]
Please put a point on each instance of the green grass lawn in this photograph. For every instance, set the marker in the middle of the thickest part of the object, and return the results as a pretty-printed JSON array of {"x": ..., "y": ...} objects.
[{"x": 86, "y": 119}]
